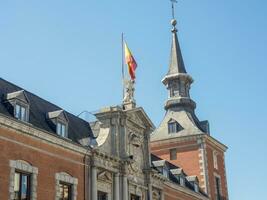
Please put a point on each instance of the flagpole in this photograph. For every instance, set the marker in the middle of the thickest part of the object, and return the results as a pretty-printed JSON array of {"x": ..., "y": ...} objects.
[{"x": 122, "y": 64}]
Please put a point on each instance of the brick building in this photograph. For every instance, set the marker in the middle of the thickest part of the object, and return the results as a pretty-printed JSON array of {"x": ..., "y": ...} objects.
[
  {"x": 48, "y": 153},
  {"x": 182, "y": 138}
]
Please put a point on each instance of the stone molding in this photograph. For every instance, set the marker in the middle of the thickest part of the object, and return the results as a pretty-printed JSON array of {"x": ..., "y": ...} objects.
[
  {"x": 27, "y": 168},
  {"x": 30, "y": 130},
  {"x": 66, "y": 178}
]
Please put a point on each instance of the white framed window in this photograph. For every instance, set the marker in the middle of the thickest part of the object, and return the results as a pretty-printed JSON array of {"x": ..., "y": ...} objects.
[
  {"x": 215, "y": 159},
  {"x": 21, "y": 112},
  {"x": 66, "y": 186},
  {"x": 23, "y": 180},
  {"x": 61, "y": 129}
]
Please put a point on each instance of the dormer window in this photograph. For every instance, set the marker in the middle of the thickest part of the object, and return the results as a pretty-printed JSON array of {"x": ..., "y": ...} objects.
[
  {"x": 196, "y": 188},
  {"x": 162, "y": 166},
  {"x": 174, "y": 127},
  {"x": 21, "y": 112},
  {"x": 59, "y": 122},
  {"x": 18, "y": 105},
  {"x": 165, "y": 172},
  {"x": 61, "y": 129}
]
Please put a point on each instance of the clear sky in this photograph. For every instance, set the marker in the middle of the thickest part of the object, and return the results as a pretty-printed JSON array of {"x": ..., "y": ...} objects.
[{"x": 69, "y": 53}]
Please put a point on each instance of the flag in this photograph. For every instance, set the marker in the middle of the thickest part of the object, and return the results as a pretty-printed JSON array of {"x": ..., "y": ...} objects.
[{"x": 130, "y": 61}]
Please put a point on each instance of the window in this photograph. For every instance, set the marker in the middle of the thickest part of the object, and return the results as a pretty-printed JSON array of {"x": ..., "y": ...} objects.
[
  {"x": 102, "y": 195},
  {"x": 21, "y": 186},
  {"x": 65, "y": 191},
  {"x": 21, "y": 112},
  {"x": 182, "y": 181},
  {"x": 196, "y": 188},
  {"x": 165, "y": 172},
  {"x": 134, "y": 197},
  {"x": 215, "y": 159},
  {"x": 61, "y": 129},
  {"x": 173, "y": 154},
  {"x": 66, "y": 186},
  {"x": 174, "y": 127},
  {"x": 218, "y": 188}
]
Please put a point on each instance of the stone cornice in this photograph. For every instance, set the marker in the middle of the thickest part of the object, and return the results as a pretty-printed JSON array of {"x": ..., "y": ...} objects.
[
  {"x": 191, "y": 138},
  {"x": 216, "y": 142},
  {"x": 37, "y": 133}
]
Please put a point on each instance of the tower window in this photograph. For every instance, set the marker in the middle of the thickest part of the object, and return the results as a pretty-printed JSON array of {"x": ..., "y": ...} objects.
[
  {"x": 21, "y": 112},
  {"x": 174, "y": 127},
  {"x": 61, "y": 129},
  {"x": 173, "y": 154},
  {"x": 218, "y": 188}
]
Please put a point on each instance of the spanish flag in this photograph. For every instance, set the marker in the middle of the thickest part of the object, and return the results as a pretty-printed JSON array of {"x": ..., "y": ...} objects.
[{"x": 130, "y": 61}]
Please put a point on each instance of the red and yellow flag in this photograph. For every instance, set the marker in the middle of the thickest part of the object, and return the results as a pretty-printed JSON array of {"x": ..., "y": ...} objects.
[{"x": 130, "y": 61}]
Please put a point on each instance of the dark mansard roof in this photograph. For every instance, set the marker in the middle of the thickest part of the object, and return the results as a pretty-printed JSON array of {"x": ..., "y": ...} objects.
[
  {"x": 39, "y": 108},
  {"x": 171, "y": 176}
]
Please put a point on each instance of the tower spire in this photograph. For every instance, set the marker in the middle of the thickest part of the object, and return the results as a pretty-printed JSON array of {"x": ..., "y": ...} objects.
[{"x": 177, "y": 80}]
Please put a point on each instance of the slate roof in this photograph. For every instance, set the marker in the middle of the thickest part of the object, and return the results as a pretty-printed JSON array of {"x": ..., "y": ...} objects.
[
  {"x": 172, "y": 177},
  {"x": 77, "y": 127}
]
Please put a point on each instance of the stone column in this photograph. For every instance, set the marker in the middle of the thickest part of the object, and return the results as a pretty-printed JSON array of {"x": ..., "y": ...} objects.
[
  {"x": 125, "y": 187},
  {"x": 162, "y": 195},
  {"x": 93, "y": 183},
  {"x": 116, "y": 186},
  {"x": 150, "y": 191}
]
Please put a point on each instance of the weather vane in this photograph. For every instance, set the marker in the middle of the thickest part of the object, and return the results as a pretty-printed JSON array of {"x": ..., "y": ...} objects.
[{"x": 173, "y": 1}]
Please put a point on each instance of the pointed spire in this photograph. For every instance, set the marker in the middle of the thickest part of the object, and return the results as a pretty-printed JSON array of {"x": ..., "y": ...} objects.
[
  {"x": 177, "y": 80},
  {"x": 176, "y": 59}
]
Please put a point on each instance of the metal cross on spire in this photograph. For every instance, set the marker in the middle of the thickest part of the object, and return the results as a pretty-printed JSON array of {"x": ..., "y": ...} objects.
[{"x": 173, "y": 1}]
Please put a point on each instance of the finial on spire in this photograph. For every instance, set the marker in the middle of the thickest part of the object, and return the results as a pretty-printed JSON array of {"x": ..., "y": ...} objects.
[
  {"x": 173, "y": 21},
  {"x": 173, "y": 1}
]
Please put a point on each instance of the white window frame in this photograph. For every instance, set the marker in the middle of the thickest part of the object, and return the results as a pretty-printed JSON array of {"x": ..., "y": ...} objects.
[
  {"x": 27, "y": 168},
  {"x": 66, "y": 178},
  {"x": 18, "y": 114},
  {"x": 59, "y": 129}
]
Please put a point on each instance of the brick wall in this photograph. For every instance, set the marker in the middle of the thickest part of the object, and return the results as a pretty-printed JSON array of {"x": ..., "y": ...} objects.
[
  {"x": 49, "y": 159},
  {"x": 216, "y": 172}
]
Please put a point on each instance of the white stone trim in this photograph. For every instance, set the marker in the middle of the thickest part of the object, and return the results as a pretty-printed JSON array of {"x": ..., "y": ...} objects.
[
  {"x": 66, "y": 178},
  {"x": 215, "y": 186},
  {"x": 203, "y": 166},
  {"x": 23, "y": 167}
]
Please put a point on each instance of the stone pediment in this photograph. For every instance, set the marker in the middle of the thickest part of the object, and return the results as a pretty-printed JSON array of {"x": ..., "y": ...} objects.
[
  {"x": 140, "y": 118},
  {"x": 18, "y": 95},
  {"x": 104, "y": 175},
  {"x": 60, "y": 114}
]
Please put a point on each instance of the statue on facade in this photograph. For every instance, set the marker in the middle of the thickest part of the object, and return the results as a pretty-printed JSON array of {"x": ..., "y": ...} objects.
[{"x": 129, "y": 92}]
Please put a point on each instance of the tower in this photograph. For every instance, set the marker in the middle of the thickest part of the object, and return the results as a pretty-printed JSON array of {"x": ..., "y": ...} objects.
[{"x": 182, "y": 138}]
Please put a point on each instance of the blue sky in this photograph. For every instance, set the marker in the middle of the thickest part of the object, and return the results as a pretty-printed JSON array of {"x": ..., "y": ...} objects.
[{"x": 69, "y": 53}]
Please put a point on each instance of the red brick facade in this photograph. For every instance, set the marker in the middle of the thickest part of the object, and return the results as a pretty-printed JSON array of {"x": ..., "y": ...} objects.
[
  {"x": 196, "y": 161},
  {"x": 49, "y": 159}
]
